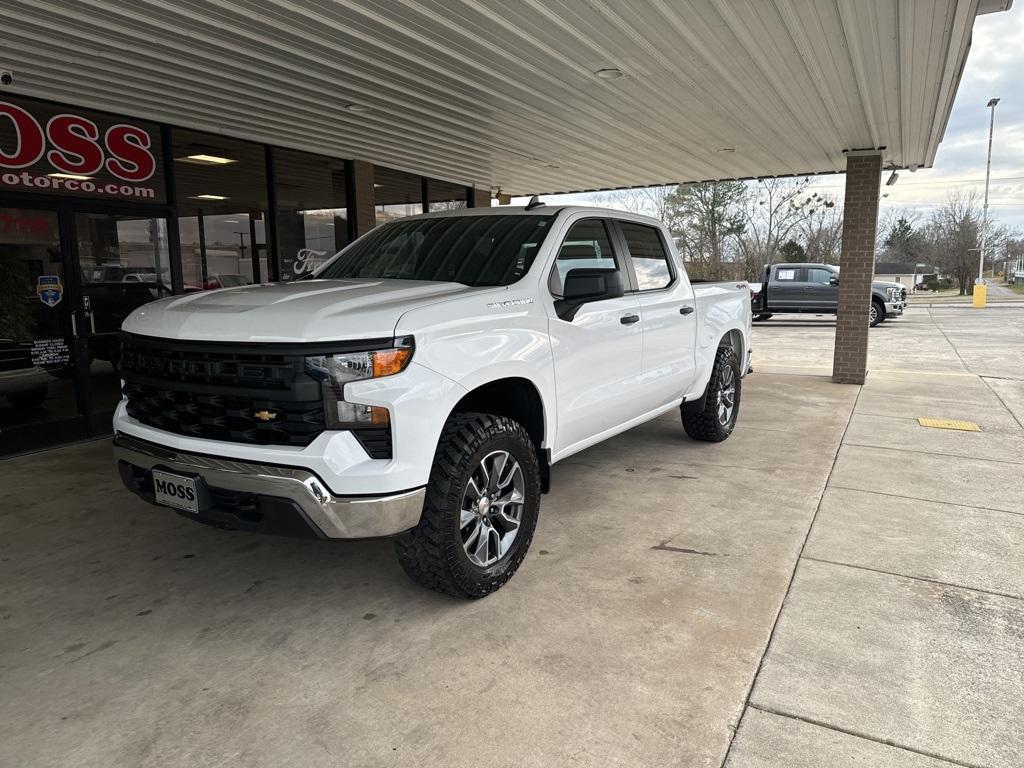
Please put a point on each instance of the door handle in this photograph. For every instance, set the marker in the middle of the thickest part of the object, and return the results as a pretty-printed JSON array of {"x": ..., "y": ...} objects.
[
  {"x": 685, "y": 310},
  {"x": 629, "y": 319}
]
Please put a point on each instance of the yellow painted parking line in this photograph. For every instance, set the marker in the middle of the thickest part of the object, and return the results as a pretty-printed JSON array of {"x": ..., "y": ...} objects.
[{"x": 963, "y": 426}]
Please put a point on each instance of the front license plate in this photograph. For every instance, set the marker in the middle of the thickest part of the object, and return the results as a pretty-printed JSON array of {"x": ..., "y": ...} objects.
[{"x": 176, "y": 491}]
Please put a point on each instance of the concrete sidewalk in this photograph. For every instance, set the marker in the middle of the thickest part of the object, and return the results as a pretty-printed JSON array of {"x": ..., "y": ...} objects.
[{"x": 899, "y": 643}]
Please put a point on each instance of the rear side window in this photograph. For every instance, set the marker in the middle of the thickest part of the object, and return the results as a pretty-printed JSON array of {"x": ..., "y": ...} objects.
[
  {"x": 586, "y": 246},
  {"x": 647, "y": 253}
]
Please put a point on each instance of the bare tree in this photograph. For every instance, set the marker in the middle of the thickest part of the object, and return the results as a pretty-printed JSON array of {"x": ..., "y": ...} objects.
[
  {"x": 773, "y": 209},
  {"x": 953, "y": 235},
  {"x": 649, "y": 201},
  {"x": 822, "y": 229}
]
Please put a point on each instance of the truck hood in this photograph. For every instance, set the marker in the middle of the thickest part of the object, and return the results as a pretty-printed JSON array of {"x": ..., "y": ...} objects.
[
  {"x": 310, "y": 310},
  {"x": 883, "y": 284}
]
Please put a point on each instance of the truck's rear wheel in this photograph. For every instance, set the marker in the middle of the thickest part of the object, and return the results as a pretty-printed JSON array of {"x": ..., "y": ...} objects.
[
  {"x": 717, "y": 419},
  {"x": 876, "y": 313},
  {"x": 480, "y": 511}
]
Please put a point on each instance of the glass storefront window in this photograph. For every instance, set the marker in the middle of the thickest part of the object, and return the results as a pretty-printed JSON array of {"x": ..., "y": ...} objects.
[
  {"x": 396, "y": 194},
  {"x": 221, "y": 187},
  {"x": 312, "y": 212},
  {"x": 445, "y": 196}
]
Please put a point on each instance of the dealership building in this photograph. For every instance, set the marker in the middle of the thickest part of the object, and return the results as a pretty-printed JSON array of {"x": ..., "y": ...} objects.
[{"x": 162, "y": 149}]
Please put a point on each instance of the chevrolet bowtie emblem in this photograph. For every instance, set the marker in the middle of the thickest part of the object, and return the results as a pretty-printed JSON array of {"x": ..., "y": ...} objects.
[{"x": 265, "y": 415}]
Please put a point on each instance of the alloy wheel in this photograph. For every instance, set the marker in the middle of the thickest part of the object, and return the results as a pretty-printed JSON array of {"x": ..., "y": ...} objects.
[
  {"x": 726, "y": 395},
  {"x": 492, "y": 508}
]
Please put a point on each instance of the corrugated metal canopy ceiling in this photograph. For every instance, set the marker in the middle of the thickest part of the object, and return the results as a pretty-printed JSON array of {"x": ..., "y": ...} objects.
[{"x": 498, "y": 93}]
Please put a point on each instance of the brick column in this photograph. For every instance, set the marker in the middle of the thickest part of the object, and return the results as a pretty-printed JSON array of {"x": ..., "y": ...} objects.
[
  {"x": 480, "y": 198},
  {"x": 360, "y": 197},
  {"x": 860, "y": 220}
]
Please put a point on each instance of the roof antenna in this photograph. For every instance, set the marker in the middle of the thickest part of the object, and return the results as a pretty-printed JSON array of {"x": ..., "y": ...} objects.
[{"x": 535, "y": 202}]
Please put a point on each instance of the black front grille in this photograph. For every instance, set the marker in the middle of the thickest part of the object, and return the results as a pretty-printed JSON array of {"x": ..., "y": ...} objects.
[
  {"x": 223, "y": 417},
  {"x": 243, "y": 393}
]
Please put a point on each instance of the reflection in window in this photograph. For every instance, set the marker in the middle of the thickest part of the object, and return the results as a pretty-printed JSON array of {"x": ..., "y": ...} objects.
[
  {"x": 445, "y": 196},
  {"x": 312, "y": 215},
  {"x": 222, "y": 201},
  {"x": 586, "y": 246},
  {"x": 648, "y": 256},
  {"x": 396, "y": 194}
]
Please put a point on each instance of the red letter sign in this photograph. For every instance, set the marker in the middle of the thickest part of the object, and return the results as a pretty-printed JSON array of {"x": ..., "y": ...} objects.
[
  {"x": 132, "y": 160},
  {"x": 77, "y": 150},
  {"x": 30, "y": 144}
]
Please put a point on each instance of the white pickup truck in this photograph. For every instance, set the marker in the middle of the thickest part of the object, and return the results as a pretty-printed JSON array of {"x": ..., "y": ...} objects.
[{"x": 423, "y": 382}]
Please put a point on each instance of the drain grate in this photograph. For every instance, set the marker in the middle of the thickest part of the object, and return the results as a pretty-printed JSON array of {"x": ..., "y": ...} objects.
[{"x": 963, "y": 426}]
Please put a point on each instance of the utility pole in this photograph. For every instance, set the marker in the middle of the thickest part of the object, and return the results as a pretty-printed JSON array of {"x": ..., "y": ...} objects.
[{"x": 979, "y": 300}]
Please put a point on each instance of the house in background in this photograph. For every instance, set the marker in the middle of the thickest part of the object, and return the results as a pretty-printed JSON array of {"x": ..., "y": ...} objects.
[{"x": 910, "y": 275}]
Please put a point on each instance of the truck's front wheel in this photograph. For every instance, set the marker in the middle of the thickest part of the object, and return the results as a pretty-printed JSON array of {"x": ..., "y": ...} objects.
[
  {"x": 480, "y": 510},
  {"x": 876, "y": 314}
]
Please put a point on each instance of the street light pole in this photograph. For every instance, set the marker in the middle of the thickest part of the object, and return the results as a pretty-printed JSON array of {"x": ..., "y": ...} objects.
[{"x": 988, "y": 169}]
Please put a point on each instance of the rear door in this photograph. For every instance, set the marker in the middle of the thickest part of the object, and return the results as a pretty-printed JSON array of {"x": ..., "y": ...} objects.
[
  {"x": 598, "y": 351},
  {"x": 787, "y": 288},
  {"x": 669, "y": 315}
]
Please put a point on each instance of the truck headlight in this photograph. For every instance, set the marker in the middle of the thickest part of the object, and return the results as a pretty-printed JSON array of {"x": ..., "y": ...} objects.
[
  {"x": 335, "y": 371},
  {"x": 891, "y": 293}
]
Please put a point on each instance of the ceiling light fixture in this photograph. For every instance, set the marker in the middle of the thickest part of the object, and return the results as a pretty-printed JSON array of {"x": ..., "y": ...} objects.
[
  {"x": 202, "y": 159},
  {"x": 74, "y": 176},
  {"x": 892, "y": 179},
  {"x": 208, "y": 197},
  {"x": 611, "y": 73}
]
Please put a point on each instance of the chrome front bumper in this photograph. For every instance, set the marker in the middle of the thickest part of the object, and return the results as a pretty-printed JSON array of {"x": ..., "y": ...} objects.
[
  {"x": 337, "y": 517},
  {"x": 895, "y": 307}
]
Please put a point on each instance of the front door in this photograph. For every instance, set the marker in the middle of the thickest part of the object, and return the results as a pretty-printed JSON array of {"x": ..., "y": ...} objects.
[
  {"x": 39, "y": 399},
  {"x": 68, "y": 279},
  {"x": 598, "y": 351},
  {"x": 819, "y": 292}
]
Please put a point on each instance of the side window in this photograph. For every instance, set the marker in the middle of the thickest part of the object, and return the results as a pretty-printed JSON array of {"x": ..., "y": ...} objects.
[
  {"x": 787, "y": 275},
  {"x": 586, "y": 246},
  {"x": 648, "y": 256},
  {"x": 819, "y": 275}
]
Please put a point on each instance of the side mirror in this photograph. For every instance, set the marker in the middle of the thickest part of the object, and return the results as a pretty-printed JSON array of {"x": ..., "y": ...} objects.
[
  {"x": 583, "y": 285},
  {"x": 834, "y": 280}
]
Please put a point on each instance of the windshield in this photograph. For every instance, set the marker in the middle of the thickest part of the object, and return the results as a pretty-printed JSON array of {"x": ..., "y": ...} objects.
[{"x": 473, "y": 250}]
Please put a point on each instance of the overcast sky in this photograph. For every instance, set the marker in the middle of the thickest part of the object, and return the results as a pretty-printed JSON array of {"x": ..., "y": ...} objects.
[{"x": 995, "y": 68}]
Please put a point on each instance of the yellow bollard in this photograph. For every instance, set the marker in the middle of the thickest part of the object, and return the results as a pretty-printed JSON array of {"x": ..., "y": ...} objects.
[{"x": 980, "y": 289}]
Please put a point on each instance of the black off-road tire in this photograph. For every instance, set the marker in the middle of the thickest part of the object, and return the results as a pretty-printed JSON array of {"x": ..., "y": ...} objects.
[
  {"x": 879, "y": 317},
  {"x": 705, "y": 424},
  {"x": 432, "y": 553}
]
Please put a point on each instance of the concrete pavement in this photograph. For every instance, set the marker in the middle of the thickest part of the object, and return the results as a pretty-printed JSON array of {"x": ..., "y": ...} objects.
[
  {"x": 899, "y": 640},
  {"x": 644, "y": 626}
]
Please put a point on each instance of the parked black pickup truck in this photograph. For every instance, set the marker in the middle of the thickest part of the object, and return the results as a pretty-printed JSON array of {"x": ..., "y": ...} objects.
[{"x": 814, "y": 288}]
